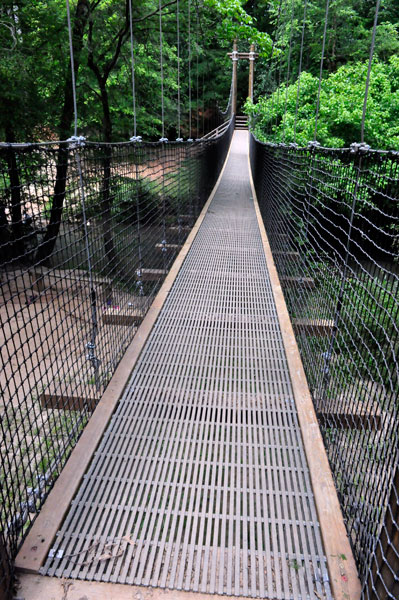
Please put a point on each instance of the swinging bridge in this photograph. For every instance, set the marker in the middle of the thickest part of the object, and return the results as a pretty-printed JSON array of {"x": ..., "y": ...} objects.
[{"x": 199, "y": 366}]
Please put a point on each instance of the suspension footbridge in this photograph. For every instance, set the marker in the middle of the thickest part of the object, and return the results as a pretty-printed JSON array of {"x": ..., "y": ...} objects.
[{"x": 199, "y": 344}]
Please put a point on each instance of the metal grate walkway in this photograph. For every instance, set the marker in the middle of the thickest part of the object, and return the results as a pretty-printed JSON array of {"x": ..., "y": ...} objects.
[{"x": 201, "y": 481}]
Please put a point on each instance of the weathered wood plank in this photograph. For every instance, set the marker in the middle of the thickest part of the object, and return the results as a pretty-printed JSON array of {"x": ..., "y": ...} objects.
[{"x": 315, "y": 327}]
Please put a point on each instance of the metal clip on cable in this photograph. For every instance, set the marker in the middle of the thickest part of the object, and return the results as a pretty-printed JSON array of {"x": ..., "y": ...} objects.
[
  {"x": 136, "y": 138},
  {"x": 91, "y": 356},
  {"x": 76, "y": 141},
  {"x": 164, "y": 139},
  {"x": 313, "y": 145},
  {"x": 360, "y": 147}
]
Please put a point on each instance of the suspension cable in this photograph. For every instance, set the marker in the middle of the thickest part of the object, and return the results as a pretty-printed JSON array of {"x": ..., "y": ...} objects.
[
  {"x": 277, "y": 26},
  {"x": 288, "y": 68},
  {"x": 197, "y": 72},
  {"x": 178, "y": 71},
  {"x": 366, "y": 92},
  {"x": 161, "y": 65},
  {"x": 321, "y": 68},
  {"x": 279, "y": 74},
  {"x": 75, "y": 108},
  {"x": 132, "y": 64},
  {"x": 300, "y": 68},
  {"x": 189, "y": 67},
  {"x": 271, "y": 58},
  {"x": 76, "y": 143}
]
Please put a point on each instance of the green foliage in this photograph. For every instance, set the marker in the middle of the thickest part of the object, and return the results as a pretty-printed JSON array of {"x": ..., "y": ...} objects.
[
  {"x": 372, "y": 309},
  {"x": 34, "y": 65},
  {"x": 341, "y": 106}
]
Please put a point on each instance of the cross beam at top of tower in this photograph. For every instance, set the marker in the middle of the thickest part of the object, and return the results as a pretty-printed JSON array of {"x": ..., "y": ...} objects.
[{"x": 245, "y": 55}]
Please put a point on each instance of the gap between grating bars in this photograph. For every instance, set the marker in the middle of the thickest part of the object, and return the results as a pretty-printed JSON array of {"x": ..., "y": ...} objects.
[{"x": 201, "y": 482}]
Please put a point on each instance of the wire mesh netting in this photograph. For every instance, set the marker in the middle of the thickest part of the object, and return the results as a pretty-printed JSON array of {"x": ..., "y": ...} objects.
[
  {"x": 87, "y": 235},
  {"x": 332, "y": 220}
]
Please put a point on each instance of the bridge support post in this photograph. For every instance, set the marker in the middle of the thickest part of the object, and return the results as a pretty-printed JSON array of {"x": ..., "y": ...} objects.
[{"x": 235, "y": 56}]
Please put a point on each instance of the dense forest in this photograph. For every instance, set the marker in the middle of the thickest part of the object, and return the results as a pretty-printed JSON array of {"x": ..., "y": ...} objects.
[
  {"x": 35, "y": 72},
  {"x": 347, "y": 49}
]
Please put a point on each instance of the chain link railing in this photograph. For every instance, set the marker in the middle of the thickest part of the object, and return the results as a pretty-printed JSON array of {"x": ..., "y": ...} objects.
[
  {"x": 332, "y": 220},
  {"x": 87, "y": 234}
]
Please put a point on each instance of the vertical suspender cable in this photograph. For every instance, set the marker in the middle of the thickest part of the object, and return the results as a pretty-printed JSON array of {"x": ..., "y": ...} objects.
[
  {"x": 75, "y": 109},
  {"x": 288, "y": 68},
  {"x": 277, "y": 26},
  {"x": 132, "y": 64},
  {"x": 163, "y": 139},
  {"x": 189, "y": 67},
  {"x": 271, "y": 58},
  {"x": 279, "y": 74},
  {"x": 93, "y": 301},
  {"x": 366, "y": 92},
  {"x": 197, "y": 74},
  {"x": 321, "y": 69},
  {"x": 161, "y": 65},
  {"x": 300, "y": 68},
  {"x": 135, "y": 151},
  {"x": 178, "y": 69}
]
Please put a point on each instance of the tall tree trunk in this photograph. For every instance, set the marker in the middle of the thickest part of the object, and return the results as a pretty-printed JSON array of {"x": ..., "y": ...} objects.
[{"x": 79, "y": 25}]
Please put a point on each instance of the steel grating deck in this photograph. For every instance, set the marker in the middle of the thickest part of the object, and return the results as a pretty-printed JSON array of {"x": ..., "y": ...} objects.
[{"x": 201, "y": 481}]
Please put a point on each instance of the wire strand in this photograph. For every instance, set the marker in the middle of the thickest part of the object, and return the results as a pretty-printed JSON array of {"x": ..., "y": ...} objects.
[
  {"x": 189, "y": 66},
  {"x": 271, "y": 60},
  {"x": 75, "y": 107},
  {"x": 178, "y": 69},
  {"x": 132, "y": 64},
  {"x": 321, "y": 69},
  {"x": 300, "y": 68},
  {"x": 161, "y": 65},
  {"x": 366, "y": 92},
  {"x": 197, "y": 66},
  {"x": 288, "y": 68}
]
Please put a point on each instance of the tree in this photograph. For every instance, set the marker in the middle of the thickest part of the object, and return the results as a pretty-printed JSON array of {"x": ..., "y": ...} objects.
[{"x": 341, "y": 107}]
